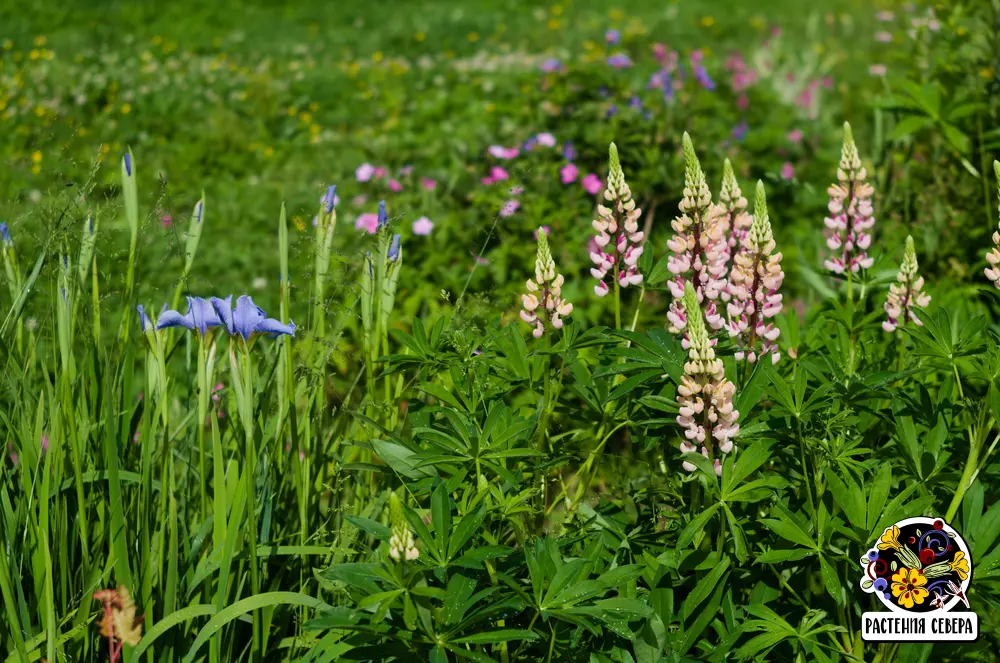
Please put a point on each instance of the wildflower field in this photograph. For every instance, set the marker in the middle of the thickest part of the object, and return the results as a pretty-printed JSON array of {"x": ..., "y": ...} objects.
[{"x": 508, "y": 331}]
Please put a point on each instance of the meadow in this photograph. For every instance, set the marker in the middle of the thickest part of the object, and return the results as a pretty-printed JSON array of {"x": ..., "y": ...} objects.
[{"x": 496, "y": 330}]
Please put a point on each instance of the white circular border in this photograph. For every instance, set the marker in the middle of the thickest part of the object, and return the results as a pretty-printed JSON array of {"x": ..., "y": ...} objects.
[{"x": 925, "y": 520}]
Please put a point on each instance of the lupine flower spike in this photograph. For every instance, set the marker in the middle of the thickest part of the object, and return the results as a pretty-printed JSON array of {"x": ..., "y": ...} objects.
[
  {"x": 737, "y": 217},
  {"x": 700, "y": 246},
  {"x": 993, "y": 257},
  {"x": 753, "y": 289},
  {"x": 848, "y": 227},
  {"x": 543, "y": 301},
  {"x": 618, "y": 240},
  {"x": 704, "y": 395},
  {"x": 905, "y": 294},
  {"x": 401, "y": 543}
]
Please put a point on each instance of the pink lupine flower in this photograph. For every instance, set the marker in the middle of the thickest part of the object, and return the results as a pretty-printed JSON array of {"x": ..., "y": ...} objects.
[
  {"x": 700, "y": 246},
  {"x": 795, "y": 136},
  {"x": 591, "y": 184},
  {"x": 704, "y": 395},
  {"x": 569, "y": 173},
  {"x": 364, "y": 172},
  {"x": 428, "y": 184},
  {"x": 367, "y": 222},
  {"x": 753, "y": 289},
  {"x": 546, "y": 139},
  {"x": 423, "y": 226},
  {"x": 993, "y": 257},
  {"x": 380, "y": 172},
  {"x": 735, "y": 206},
  {"x": 543, "y": 302},
  {"x": 395, "y": 186},
  {"x": 787, "y": 171},
  {"x": 905, "y": 294},
  {"x": 509, "y": 208},
  {"x": 618, "y": 238},
  {"x": 498, "y": 174},
  {"x": 848, "y": 226}
]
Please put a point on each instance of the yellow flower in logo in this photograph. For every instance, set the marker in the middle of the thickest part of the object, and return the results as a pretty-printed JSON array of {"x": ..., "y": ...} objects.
[
  {"x": 908, "y": 586},
  {"x": 890, "y": 539},
  {"x": 960, "y": 565}
]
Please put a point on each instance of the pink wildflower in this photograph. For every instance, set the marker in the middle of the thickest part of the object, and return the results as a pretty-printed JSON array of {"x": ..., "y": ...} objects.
[
  {"x": 546, "y": 139},
  {"x": 423, "y": 226},
  {"x": 167, "y": 220},
  {"x": 753, "y": 289},
  {"x": 544, "y": 302},
  {"x": 618, "y": 239},
  {"x": 700, "y": 246},
  {"x": 428, "y": 184},
  {"x": 850, "y": 220},
  {"x": 498, "y": 174},
  {"x": 45, "y": 443},
  {"x": 795, "y": 136},
  {"x": 883, "y": 37},
  {"x": 591, "y": 184},
  {"x": 395, "y": 186},
  {"x": 787, "y": 171},
  {"x": 569, "y": 173},
  {"x": 885, "y": 16},
  {"x": 878, "y": 70},
  {"x": 516, "y": 190},
  {"x": 906, "y": 294},
  {"x": 367, "y": 222},
  {"x": 364, "y": 172},
  {"x": 380, "y": 172},
  {"x": 486, "y": 181},
  {"x": 509, "y": 208},
  {"x": 704, "y": 395},
  {"x": 358, "y": 201}
]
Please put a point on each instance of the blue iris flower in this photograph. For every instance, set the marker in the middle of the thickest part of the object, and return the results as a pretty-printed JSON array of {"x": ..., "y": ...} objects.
[
  {"x": 393, "y": 253},
  {"x": 330, "y": 199},
  {"x": 200, "y": 316},
  {"x": 383, "y": 217},
  {"x": 568, "y": 152},
  {"x": 128, "y": 164},
  {"x": 5, "y": 234},
  {"x": 143, "y": 318},
  {"x": 248, "y": 318}
]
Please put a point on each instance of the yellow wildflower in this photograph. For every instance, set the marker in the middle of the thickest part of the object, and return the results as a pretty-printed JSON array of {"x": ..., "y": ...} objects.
[
  {"x": 378, "y": 56},
  {"x": 420, "y": 36},
  {"x": 707, "y": 21},
  {"x": 473, "y": 37},
  {"x": 126, "y": 109},
  {"x": 39, "y": 40},
  {"x": 313, "y": 107},
  {"x": 615, "y": 14},
  {"x": 553, "y": 24},
  {"x": 36, "y": 157}
]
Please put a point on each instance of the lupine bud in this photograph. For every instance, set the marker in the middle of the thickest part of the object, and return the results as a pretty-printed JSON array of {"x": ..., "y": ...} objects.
[
  {"x": 699, "y": 246},
  {"x": 704, "y": 395},
  {"x": 544, "y": 301},
  {"x": 753, "y": 288},
  {"x": 401, "y": 543},
  {"x": 618, "y": 243},
  {"x": 847, "y": 227},
  {"x": 993, "y": 257},
  {"x": 905, "y": 294}
]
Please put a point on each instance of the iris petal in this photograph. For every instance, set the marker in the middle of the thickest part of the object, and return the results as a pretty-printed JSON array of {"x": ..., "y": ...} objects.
[
  {"x": 203, "y": 315},
  {"x": 224, "y": 309},
  {"x": 143, "y": 318},
  {"x": 274, "y": 328},
  {"x": 174, "y": 319},
  {"x": 247, "y": 316}
]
